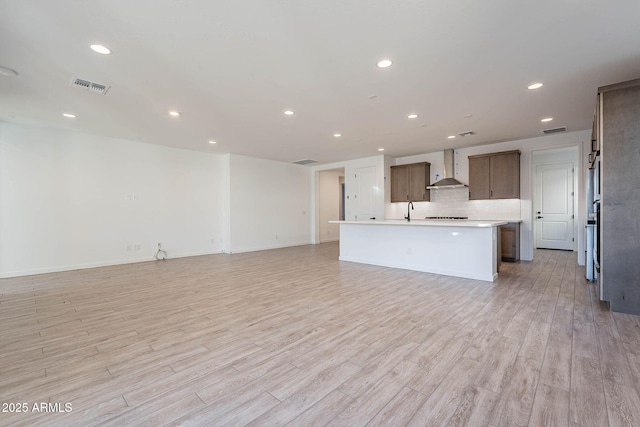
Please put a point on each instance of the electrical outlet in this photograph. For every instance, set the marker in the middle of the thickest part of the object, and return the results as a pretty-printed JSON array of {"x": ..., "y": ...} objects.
[
  {"x": 276, "y": 237},
  {"x": 129, "y": 247},
  {"x": 136, "y": 247}
]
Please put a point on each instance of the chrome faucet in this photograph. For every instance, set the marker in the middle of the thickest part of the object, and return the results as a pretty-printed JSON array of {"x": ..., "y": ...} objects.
[{"x": 408, "y": 217}]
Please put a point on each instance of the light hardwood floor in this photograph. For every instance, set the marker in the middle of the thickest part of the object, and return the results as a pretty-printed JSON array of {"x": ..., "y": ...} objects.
[{"x": 293, "y": 336}]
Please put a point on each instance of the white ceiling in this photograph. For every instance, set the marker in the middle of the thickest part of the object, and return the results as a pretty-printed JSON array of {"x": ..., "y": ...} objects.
[{"x": 233, "y": 66}]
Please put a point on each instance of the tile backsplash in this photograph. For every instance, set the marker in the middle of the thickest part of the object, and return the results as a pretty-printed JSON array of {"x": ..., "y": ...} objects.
[
  {"x": 455, "y": 202},
  {"x": 450, "y": 195}
]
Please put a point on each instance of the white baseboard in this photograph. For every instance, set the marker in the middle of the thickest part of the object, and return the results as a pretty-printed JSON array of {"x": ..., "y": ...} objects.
[
  {"x": 71, "y": 267},
  {"x": 265, "y": 248}
]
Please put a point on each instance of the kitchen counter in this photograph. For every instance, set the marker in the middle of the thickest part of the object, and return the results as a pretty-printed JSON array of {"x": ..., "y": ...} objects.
[
  {"x": 461, "y": 248},
  {"x": 430, "y": 223}
]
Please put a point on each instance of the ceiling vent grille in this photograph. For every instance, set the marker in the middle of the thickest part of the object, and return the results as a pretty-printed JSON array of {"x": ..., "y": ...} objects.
[
  {"x": 468, "y": 133},
  {"x": 90, "y": 86},
  {"x": 554, "y": 130},
  {"x": 304, "y": 161}
]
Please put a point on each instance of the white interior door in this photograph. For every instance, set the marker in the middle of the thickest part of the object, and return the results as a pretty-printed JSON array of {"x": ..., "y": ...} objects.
[
  {"x": 365, "y": 196},
  {"x": 554, "y": 204}
]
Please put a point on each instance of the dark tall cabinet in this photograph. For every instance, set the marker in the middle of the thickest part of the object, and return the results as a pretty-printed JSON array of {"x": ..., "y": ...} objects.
[{"x": 618, "y": 141}]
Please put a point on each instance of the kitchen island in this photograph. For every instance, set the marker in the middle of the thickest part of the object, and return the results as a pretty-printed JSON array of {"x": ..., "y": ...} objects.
[{"x": 461, "y": 248}]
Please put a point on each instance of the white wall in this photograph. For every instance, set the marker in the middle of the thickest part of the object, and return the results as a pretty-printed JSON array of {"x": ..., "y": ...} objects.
[
  {"x": 270, "y": 204},
  {"x": 225, "y": 202},
  {"x": 329, "y": 204},
  {"x": 71, "y": 200}
]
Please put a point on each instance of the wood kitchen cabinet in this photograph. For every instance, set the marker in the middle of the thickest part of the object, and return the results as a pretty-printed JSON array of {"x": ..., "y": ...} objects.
[
  {"x": 479, "y": 177},
  {"x": 409, "y": 182},
  {"x": 510, "y": 242},
  {"x": 494, "y": 176}
]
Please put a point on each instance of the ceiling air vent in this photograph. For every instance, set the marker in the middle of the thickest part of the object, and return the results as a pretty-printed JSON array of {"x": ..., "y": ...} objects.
[
  {"x": 90, "y": 86},
  {"x": 304, "y": 161},
  {"x": 468, "y": 133},
  {"x": 555, "y": 130}
]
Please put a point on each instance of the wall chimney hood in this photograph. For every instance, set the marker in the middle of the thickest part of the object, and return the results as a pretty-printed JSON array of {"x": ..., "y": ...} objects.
[{"x": 449, "y": 171}]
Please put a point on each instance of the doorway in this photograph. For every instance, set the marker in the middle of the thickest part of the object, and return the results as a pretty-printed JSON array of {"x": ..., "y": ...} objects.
[
  {"x": 330, "y": 204},
  {"x": 555, "y": 201}
]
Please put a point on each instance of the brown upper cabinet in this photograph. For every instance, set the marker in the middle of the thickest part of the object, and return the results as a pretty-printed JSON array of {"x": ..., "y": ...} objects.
[
  {"x": 409, "y": 182},
  {"x": 494, "y": 176}
]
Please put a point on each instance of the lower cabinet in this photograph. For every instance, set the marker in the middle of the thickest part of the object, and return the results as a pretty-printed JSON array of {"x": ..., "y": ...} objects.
[{"x": 510, "y": 241}]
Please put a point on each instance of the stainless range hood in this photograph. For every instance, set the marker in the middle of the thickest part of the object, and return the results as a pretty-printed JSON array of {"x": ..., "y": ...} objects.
[{"x": 449, "y": 171}]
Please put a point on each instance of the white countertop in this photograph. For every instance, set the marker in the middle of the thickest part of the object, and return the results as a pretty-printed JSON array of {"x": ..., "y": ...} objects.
[{"x": 429, "y": 223}]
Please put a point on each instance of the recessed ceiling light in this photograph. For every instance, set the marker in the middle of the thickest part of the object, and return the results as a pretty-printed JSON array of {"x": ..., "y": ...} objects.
[
  {"x": 212, "y": 142},
  {"x": 337, "y": 135},
  {"x": 412, "y": 116},
  {"x": 547, "y": 119},
  {"x": 535, "y": 86},
  {"x": 424, "y": 125},
  {"x": 468, "y": 116},
  {"x": 387, "y": 133},
  {"x": 6, "y": 71},
  {"x": 288, "y": 113},
  {"x": 380, "y": 149},
  {"x": 372, "y": 96},
  {"x": 69, "y": 115},
  {"x": 103, "y": 50},
  {"x": 385, "y": 63},
  {"x": 174, "y": 113},
  {"x": 451, "y": 136}
]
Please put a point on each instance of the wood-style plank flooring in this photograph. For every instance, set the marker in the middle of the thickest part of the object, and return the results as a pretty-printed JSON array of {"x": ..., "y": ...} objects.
[{"x": 295, "y": 337}]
